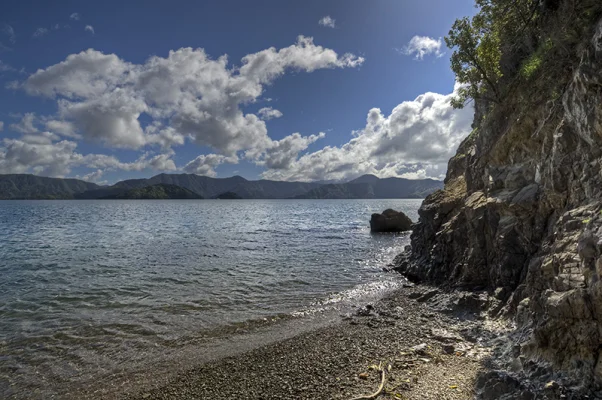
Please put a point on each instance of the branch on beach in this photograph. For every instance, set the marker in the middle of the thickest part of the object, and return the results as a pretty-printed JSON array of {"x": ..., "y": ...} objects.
[{"x": 379, "y": 391}]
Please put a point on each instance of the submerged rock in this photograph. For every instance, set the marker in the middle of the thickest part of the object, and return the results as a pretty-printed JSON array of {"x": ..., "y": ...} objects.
[{"x": 390, "y": 221}]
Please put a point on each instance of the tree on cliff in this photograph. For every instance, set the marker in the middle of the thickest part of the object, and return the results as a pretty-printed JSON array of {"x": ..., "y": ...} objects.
[{"x": 477, "y": 46}]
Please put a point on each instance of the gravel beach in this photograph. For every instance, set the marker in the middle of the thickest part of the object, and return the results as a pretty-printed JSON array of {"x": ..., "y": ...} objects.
[{"x": 431, "y": 345}]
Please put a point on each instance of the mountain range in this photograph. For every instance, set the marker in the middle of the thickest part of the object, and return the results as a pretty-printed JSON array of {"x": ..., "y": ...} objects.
[
  {"x": 24, "y": 186},
  {"x": 161, "y": 191}
]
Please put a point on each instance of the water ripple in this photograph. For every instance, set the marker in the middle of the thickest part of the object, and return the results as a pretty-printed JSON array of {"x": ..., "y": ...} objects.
[{"x": 92, "y": 288}]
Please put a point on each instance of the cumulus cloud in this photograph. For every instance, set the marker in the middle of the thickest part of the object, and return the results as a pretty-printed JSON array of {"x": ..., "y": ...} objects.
[
  {"x": 420, "y": 46},
  {"x": 186, "y": 95},
  {"x": 64, "y": 128},
  {"x": 40, "y": 32},
  {"x": 267, "y": 113},
  {"x": 26, "y": 125},
  {"x": 327, "y": 22},
  {"x": 93, "y": 176},
  {"x": 160, "y": 162},
  {"x": 84, "y": 75},
  {"x": 41, "y": 153},
  {"x": 415, "y": 140},
  {"x": 41, "y": 157},
  {"x": 75, "y": 16},
  {"x": 205, "y": 164},
  {"x": 281, "y": 154},
  {"x": 89, "y": 28},
  {"x": 111, "y": 119}
]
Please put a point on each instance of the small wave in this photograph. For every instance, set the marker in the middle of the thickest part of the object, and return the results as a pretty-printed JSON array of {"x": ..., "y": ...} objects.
[{"x": 350, "y": 297}]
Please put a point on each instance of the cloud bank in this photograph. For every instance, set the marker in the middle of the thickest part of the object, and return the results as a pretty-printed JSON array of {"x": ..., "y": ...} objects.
[
  {"x": 186, "y": 97},
  {"x": 415, "y": 141}
]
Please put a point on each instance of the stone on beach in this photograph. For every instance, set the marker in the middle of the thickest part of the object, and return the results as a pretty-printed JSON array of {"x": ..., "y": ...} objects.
[{"x": 390, "y": 221}]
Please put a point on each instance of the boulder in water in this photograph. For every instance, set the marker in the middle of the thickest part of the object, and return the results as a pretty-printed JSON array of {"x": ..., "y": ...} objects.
[{"x": 390, "y": 221}]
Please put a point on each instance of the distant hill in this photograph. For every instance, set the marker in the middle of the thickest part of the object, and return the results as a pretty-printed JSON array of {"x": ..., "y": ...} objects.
[
  {"x": 364, "y": 187},
  {"x": 372, "y": 187},
  {"x": 340, "y": 191},
  {"x": 210, "y": 187},
  {"x": 160, "y": 191},
  {"x": 228, "y": 196},
  {"x": 25, "y": 186}
]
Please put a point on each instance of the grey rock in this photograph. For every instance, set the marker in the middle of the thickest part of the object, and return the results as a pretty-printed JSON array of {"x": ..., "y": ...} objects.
[
  {"x": 419, "y": 349},
  {"x": 390, "y": 221},
  {"x": 520, "y": 218}
]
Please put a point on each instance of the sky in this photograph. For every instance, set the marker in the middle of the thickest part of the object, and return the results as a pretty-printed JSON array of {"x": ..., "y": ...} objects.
[{"x": 283, "y": 90}]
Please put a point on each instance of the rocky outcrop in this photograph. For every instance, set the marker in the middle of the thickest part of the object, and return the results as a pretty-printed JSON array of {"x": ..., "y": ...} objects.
[
  {"x": 390, "y": 221},
  {"x": 520, "y": 216}
]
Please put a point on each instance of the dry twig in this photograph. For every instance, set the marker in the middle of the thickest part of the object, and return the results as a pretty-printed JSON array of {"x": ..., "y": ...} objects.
[{"x": 379, "y": 391}]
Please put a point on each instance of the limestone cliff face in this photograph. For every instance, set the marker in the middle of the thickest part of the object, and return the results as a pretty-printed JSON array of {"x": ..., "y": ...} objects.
[{"x": 521, "y": 216}]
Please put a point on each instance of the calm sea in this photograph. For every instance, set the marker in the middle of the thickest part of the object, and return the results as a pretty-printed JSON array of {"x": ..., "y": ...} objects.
[{"x": 93, "y": 292}]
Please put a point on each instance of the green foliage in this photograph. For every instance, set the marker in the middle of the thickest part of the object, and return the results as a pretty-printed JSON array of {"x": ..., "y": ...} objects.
[
  {"x": 477, "y": 45},
  {"x": 475, "y": 60},
  {"x": 535, "y": 60},
  {"x": 530, "y": 66},
  {"x": 25, "y": 186}
]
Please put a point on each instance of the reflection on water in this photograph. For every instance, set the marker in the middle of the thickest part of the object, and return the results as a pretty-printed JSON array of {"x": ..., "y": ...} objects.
[{"x": 92, "y": 287}]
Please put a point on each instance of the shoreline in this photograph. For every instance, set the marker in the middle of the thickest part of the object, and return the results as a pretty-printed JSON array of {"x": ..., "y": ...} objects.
[
  {"x": 436, "y": 350},
  {"x": 211, "y": 345}
]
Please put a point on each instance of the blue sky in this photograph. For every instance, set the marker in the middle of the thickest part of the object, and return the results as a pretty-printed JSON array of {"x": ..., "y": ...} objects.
[{"x": 313, "y": 90}]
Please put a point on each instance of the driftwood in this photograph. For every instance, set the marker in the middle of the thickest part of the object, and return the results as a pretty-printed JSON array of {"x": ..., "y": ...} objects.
[{"x": 381, "y": 388}]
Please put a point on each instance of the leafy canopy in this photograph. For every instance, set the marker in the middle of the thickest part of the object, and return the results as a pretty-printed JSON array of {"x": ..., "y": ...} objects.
[{"x": 477, "y": 44}]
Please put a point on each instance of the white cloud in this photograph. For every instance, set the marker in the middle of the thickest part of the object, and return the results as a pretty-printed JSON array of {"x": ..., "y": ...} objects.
[
  {"x": 45, "y": 154},
  {"x": 1, "y": 126},
  {"x": 84, "y": 75},
  {"x": 186, "y": 94},
  {"x": 26, "y": 125},
  {"x": 75, "y": 16},
  {"x": 420, "y": 46},
  {"x": 415, "y": 140},
  {"x": 64, "y": 128},
  {"x": 327, "y": 22},
  {"x": 267, "y": 113},
  {"x": 111, "y": 119},
  {"x": 41, "y": 157},
  {"x": 93, "y": 176},
  {"x": 89, "y": 28},
  {"x": 165, "y": 136},
  {"x": 40, "y": 32},
  {"x": 205, "y": 164},
  {"x": 160, "y": 162},
  {"x": 283, "y": 153}
]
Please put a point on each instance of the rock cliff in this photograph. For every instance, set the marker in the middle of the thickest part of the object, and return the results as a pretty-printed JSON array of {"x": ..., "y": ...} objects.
[{"x": 521, "y": 216}]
